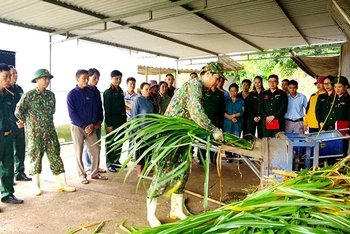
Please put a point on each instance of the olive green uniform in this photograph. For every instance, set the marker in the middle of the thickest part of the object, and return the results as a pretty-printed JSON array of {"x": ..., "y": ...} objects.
[
  {"x": 253, "y": 104},
  {"x": 245, "y": 114},
  {"x": 6, "y": 146},
  {"x": 340, "y": 109},
  {"x": 275, "y": 104},
  {"x": 18, "y": 136},
  {"x": 214, "y": 108},
  {"x": 115, "y": 116}
]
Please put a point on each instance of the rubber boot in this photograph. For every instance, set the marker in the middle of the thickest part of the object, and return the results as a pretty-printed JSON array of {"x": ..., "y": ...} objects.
[
  {"x": 36, "y": 184},
  {"x": 62, "y": 185},
  {"x": 151, "y": 213},
  {"x": 176, "y": 206}
]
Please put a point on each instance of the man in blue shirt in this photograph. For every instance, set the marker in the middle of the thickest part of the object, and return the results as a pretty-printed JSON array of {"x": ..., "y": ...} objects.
[
  {"x": 297, "y": 104},
  {"x": 83, "y": 112}
]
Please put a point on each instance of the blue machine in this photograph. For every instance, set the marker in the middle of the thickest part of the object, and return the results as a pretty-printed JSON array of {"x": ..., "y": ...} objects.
[{"x": 329, "y": 144}]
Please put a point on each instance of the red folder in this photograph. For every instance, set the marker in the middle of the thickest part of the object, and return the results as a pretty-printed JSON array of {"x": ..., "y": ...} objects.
[
  {"x": 340, "y": 124},
  {"x": 274, "y": 125}
]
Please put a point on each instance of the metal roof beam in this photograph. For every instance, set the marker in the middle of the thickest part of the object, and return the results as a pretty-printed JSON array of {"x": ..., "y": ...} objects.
[
  {"x": 227, "y": 30},
  {"x": 137, "y": 28},
  {"x": 291, "y": 21},
  {"x": 125, "y": 15},
  {"x": 42, "y": 29}
]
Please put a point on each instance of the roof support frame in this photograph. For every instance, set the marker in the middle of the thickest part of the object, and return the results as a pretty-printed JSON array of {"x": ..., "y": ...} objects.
[
  {"x": 151, "y": 19},
  {"x": 291, "y": 21},
  {"x": 225, "y": 29},
  {"x": 123, "y": 23},
  {"x": 42, "y": 29}
]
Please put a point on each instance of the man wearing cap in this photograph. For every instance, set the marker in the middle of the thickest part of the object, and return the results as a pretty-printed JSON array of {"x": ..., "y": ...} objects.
[
  {"x": 35, "y": 109},
  {"x": 154, "y": 95},
  {"x": 115, "y": 116},
  {"x": 19, "y": 144},
  {"x": 6, "y": 144},
  {"x": 273, "y": 106},
  {"x": 310, "y": 121},
  {"x": 186, "y": 103}
]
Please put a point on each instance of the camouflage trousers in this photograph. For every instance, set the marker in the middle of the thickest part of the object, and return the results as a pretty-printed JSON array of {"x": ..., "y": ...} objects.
[
  {"x": 44, "y": 142},
  {"x": 164, "y": 167}
]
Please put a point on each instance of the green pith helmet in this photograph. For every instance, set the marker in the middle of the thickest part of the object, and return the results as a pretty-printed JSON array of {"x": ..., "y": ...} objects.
[
  {"x": 41, "y": 73},
  {"x": 215, "y": 67},
  {"x": 342, "y": 80}
]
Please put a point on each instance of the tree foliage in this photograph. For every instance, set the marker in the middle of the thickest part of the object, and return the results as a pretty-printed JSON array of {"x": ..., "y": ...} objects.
[{"x": 276, "y": 62}]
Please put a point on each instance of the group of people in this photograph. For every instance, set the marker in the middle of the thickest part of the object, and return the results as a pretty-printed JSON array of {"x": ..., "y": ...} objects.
[
  {"x": 202, "y": 99},
  {"x": 87, "y": 111},
  {"x": 35, "y": 110}
]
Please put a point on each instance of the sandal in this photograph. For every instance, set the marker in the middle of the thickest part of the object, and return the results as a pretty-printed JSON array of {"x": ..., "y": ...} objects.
[
  {"x": 84, "y": 181},
  {"x": 101, "y": 170},
  {"x": 99, "y": 177}
]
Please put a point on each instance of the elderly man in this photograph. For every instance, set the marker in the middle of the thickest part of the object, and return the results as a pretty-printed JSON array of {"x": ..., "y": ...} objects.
[
  {"x": 35, "y": 110},
  {"x": 19, "y": 143},
  {"x": 6, "y": 147}
]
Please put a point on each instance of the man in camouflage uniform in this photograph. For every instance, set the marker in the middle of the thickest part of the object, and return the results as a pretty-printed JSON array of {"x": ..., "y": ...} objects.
[
  {"x": 35, "y": 110},
  {"x": 19, "y": 143},
  {"x": 186, "y": 103},
  {"x": 6, "y": 147}
]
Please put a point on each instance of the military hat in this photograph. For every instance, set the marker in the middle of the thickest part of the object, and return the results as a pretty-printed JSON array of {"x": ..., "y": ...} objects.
[
  {"x": 41, "y": 73},
  {"x": 215, "y": 67},
  {"x": 342, "y": 80}
]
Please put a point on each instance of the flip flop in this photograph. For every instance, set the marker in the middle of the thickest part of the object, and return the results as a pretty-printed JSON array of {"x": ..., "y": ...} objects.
[
  {"x": 101, "y": 170},
  {"x": 84, "y": 181},
  {"x": 99, "y": 177}
]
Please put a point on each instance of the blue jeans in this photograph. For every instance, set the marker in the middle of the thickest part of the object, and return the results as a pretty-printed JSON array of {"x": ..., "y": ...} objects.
[{"x": 86, "y": 153}]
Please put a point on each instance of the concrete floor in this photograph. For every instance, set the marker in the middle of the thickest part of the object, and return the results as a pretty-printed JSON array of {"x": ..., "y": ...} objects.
[{"x": 111, "y": 200}]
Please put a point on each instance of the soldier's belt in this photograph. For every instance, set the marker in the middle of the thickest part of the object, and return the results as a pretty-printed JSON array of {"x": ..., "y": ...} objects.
[{"x": 2, "y": 133}]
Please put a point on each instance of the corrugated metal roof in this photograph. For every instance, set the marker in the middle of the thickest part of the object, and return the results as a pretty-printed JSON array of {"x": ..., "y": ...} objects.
[{"x": 222, "y": 27}]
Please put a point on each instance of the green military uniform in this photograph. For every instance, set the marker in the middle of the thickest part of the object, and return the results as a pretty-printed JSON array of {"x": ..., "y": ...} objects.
[
  {"x": 253, "y": 104},
  {"x": 6, "y": 146},
  {"x": 36, "y": 111},
  {"x": 163, "y": 103},
  {"x": 214, "y": 108},
  {"x": 245, "y": 114},
  {"x": 186, "y": 103},
  {"x": 340, "y": 109},
  {"x": 115, "y": 116},
  {"x": 275, "y": 104},
  {"x": 18, "y": 136}
]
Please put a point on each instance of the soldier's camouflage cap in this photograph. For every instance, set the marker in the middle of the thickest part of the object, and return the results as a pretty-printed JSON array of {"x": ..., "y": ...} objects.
[
  {"x": 342, "y": 80},
  {"x": 215, "y": 67},
  {"x": 41, "y": 73}
]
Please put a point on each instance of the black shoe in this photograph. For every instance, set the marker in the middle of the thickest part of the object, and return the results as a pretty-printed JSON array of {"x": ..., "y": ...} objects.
[
  {"x": 112, "y": 169},
  {"x": 23, "y": 177},
  {"x": 199, "y": 162},
  {"x": 11, "y": 200},
  {"x": 229, "y": 160}
]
